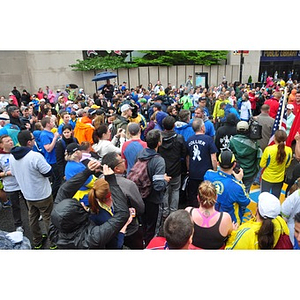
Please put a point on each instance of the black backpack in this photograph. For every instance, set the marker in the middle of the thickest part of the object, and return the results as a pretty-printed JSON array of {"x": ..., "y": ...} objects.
[{"x": 255, "y": 130}]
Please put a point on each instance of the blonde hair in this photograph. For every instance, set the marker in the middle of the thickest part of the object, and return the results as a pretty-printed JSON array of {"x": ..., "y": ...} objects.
[{"x": 207, "y": 194}]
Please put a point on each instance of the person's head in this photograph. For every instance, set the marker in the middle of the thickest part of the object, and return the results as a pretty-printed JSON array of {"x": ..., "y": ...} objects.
[
  {"x": 297, "y": 227},
  {"x": 26, "y": 138},
  {"x": 4, "y": 119},
  {"x": 134, "y": 129},
  {"x": 242, "y": 127},
  {"x": 153, "y": 139},
  {"x": 245, "y": 97},
  {"x": 13, "y": 111},
  {"x": 265, "y": 108},
  {"x": 168, "y": 123},
  {"x": 227, "y": 160},
  {"x": 92, "y": 113},
  {"x": 126, "y": 110},
  {"x": 198, "y": 125},
  {"x": 47, "y": 123},
  {"x": 184, "y": 115},
  {"x": 207, "y": 194},
  {"x": 268, "y": 208},
  {"x": 73, "y": 152},
  {"x": 289, "y": 109},
  {"x": 202, "y": 102},
  {"x": 99, "y": 193},
  {"x": 65, "y": 117},
  {"x": 172, "y": 111},
  {"x": 277, "y": 95},
  {"x": 6, "y": 142},
  {"x": 101, "y": 133},
  {"x": 298, "y": 96},
  {"x": 115, "y": 162},
  {"x": 280, "y": 138},
  {"x": 67, "y": 131},
  {"x": 199, "y": 112},
  {"x": 179, "y": 229}
]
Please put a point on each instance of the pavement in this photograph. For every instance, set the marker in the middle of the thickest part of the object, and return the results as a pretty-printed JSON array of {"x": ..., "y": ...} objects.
[{"x": 7, "y": 222}]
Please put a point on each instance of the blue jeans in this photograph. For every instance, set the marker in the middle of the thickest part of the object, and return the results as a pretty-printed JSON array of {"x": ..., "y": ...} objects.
[{"x": 171, "y": 196}]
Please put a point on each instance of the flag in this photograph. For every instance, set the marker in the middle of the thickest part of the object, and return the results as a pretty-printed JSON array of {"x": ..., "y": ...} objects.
[
  {"x": 277, "y": 120},
  {"x": 294, "y": 129},
  {"x": 89, "y": 52}
]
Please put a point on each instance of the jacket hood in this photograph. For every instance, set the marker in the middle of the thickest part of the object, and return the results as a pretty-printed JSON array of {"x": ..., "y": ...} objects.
[
  {"x": 86, "y": 120},
  {"x": 231, "y": 119},
  {"x": 19, "y": 152},
  {"x": 168, "y": 138},
  {"x": 146, "y": 154},
  {"x": 180, "y": 124},
  {"x": 69, "y": 215}
]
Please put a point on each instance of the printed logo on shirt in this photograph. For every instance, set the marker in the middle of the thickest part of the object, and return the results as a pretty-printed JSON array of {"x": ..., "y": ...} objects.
[
  {"x": 196, "y": 152},
  {"x": 219, "y": 187}
]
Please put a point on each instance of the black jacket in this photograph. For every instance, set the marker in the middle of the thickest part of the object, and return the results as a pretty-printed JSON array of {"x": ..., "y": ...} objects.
[
  {"x": 173, "y": 151},
  {"x": 71, "y": 227}
]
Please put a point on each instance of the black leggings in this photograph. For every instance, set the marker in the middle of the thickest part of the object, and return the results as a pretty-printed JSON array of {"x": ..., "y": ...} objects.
[{"x": 273, "y": 188}]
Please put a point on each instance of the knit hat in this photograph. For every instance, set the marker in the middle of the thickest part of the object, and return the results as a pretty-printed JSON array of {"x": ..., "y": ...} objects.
[{"x": 226, "y": 159}]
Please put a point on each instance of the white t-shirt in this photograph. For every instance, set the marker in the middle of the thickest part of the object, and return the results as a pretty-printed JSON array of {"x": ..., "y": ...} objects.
[
  {"x": 28, "y": 171},
  {"x": 245, "y": 110}
]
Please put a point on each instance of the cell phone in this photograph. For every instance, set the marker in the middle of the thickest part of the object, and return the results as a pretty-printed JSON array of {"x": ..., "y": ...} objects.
[{"x": 237, "y": 168}]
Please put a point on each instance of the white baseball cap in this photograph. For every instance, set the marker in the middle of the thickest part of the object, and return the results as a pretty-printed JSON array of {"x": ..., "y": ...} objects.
[{"x": 268, "y": 205}]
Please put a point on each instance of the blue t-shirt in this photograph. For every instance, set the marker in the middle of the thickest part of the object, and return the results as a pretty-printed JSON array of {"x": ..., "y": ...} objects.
[
  {"x": 199, "y": 148},
  {"x": 209, "y": 128},
  {"x": 46, "y": 137}
]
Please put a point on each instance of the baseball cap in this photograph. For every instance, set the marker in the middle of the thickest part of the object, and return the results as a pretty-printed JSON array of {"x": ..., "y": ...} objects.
[
  {"x": 125, "y": 107},
  {"x": 290, "y": 106},
  {"x": 92, "y": 111},
  {"x": 268, "y": 205},
  {"x": 133, "y": 128},
  {"x": 4, "y": 117},
  {"x": 75, "y": 106},
  {"x": 242, "y": 126},
  {"x": 73, "y": 147},
  {"x": 226, "y": 159},
  {"x": 158, "y": 105},
  {"x": 69, "y": 102}
]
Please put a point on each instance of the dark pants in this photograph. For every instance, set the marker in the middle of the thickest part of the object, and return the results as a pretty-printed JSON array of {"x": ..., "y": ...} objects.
[
  {"x": 150, "y": 218},
  {"x": 193, "y": 192},
  {"x": 135, "y": 240},
  {"x": 56, "y": 179},
  {"x": 273, "y": 188},
  {"x": 16, "y": 208}
]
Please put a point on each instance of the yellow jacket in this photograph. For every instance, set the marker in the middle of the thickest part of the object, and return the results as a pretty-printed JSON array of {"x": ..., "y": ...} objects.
[
  {"x": 219, "y": 113},
  {"x": 245, "y": 238},
  {"x": 273, "y": 171}
]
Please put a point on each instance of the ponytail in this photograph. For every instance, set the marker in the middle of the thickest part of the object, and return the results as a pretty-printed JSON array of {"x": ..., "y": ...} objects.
[
  {"x": 265, "y": 234},
  {"x": 280, "y": 137},
  {"x": 94, "y": 206}
]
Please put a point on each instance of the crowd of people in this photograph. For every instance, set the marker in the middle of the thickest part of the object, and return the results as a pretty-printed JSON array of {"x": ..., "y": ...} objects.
[{"x": 153, "y": 167}]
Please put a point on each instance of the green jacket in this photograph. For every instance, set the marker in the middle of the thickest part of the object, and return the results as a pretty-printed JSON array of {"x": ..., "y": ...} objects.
[
  {"x": 186, "y": 101},
  {"x": 247, "y": 154}
]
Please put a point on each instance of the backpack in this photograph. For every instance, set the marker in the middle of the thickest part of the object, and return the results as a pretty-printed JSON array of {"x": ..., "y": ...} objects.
[
  {"x": 255, "y": 130},
  {"x": 140, "y": 176}
]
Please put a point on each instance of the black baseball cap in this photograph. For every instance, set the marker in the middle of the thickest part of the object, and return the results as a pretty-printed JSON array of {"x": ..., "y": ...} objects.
[
  {"x": 73, "y": 147},
  {"x": 226, "y": 159}
]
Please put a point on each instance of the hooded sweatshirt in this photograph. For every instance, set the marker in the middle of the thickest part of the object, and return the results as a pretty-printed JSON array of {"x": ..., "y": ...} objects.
[
  {"x": 31, "y": 171},
  {"x": 184, "y": 129},
  {"x": 173, "y": 151},
  {"x": 156, "y": 171}
]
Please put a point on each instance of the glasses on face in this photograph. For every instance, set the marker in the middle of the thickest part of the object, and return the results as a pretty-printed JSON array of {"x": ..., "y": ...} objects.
[
  {"x": 32, "y": 139},
  {"x": 121, "y": 161}
]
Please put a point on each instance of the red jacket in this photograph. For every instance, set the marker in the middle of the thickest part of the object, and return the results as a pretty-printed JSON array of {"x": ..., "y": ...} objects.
[
  {"x": 274, "y": 105},
  {"x": 253, "y": 99}
]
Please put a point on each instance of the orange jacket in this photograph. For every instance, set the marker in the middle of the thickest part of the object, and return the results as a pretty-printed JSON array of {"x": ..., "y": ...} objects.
[{"x": 83, "y": 130}]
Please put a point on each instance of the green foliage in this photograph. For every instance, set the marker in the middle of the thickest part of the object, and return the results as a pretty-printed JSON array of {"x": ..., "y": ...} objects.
[
  {"x": 170, "y": 58},
  {"x": 250, "y": 79},
  {"x": 151, "y": 58},
  {"x": 102, "y": 63}
]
